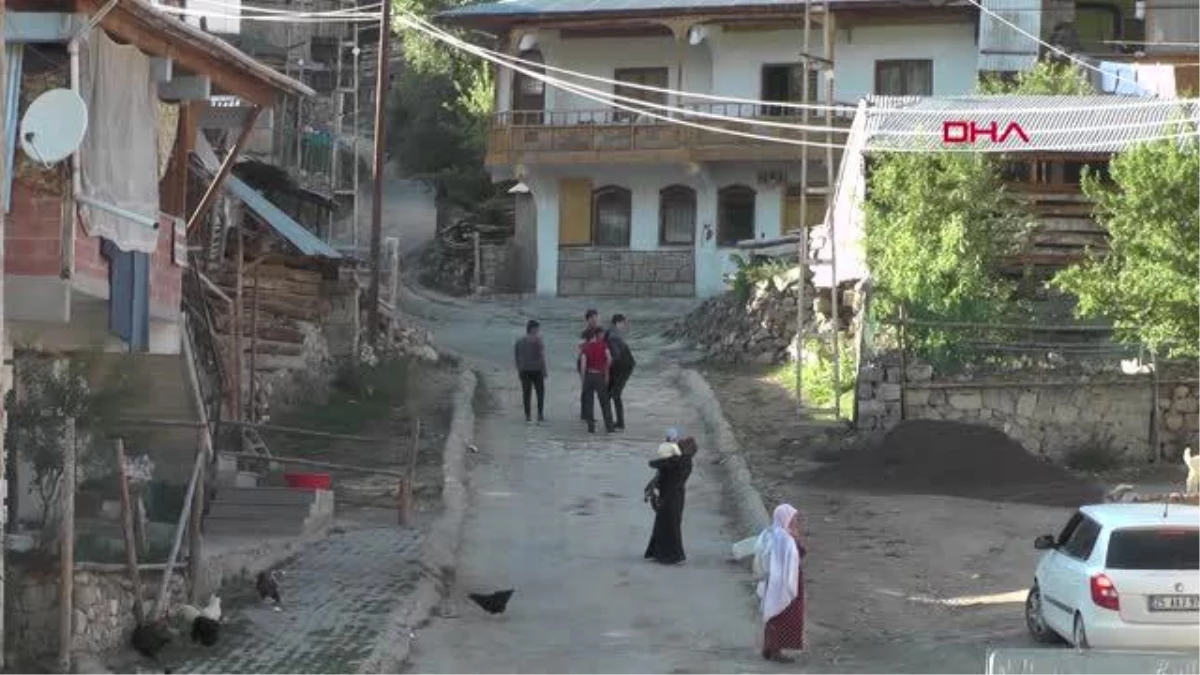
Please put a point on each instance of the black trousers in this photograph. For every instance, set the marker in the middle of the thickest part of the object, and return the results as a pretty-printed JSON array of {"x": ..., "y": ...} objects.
[
  {"x": 617, "y": 379},
  {"x": 594, "y": 387},
  {"x": 531, "y": 381}
]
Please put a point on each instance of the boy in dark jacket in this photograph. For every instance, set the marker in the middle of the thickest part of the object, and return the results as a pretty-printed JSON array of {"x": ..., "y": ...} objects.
[
  {"x": 530, "y": 356},
  {"x": 622, "y": 366}
]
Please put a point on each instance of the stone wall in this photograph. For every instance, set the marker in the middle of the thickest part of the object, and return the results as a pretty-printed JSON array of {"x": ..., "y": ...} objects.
[
  {"x": 666, "y": 273},
  {"x": 341, "y": 321},
  {"x": 499, "y": 267},
  {"x": 1057, "y": 416},
  {"x": 103, "y": 616}
]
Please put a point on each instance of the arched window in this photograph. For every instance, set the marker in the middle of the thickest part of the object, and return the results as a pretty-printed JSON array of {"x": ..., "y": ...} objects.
[
  {"x": 677, "y": 215},
  {"x": 612, "y": 211},
  {"x": 735, "y": 214},
  {"x": 528, "y": 94}
]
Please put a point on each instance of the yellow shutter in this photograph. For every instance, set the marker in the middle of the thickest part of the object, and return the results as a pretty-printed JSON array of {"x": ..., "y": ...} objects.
[
  {"x": 574, "y": 211},
  {"x": 791, "y": 211}
]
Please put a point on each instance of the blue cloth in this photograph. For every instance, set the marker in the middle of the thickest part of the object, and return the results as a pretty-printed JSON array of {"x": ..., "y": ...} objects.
[{"x": 128, "y": 295}]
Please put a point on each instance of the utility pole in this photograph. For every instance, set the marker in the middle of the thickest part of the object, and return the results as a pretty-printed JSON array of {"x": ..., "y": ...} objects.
[
  {"x": 4, "y": 113},
  {"x": 381, "y": 92}
]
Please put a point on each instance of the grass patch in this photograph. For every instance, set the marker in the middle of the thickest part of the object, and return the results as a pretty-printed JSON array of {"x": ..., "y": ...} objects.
[{"x": 817, "y": 378}]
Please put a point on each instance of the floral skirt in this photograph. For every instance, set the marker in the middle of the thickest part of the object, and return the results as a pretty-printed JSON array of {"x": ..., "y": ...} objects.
[{"x": 786, "y": 629}]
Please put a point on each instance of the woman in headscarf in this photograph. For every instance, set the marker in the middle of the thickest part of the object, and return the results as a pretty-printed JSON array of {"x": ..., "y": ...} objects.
[
  {"x": 665, "y": 492},
  {"x": 779, "y": 557}
]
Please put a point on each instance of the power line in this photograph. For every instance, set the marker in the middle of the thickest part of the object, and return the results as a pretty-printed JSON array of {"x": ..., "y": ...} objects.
[
  {"x": 345, "y": 18},
  {"x": 224, "y": 4},
  {"x": 603, "y": 97},
  {"x": 835, "y": 107},
  {"x": 641, "y": 103}
]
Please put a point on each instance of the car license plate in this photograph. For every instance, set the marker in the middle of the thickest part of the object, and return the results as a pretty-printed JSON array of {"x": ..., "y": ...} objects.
[{"x": 1174, "y": 603}]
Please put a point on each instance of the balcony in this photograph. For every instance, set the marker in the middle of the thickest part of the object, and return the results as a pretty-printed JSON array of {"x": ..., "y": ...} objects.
[{"x": 619, "y": 137}]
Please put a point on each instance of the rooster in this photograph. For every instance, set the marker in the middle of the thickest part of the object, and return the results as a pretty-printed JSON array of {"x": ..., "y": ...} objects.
[{"x": 149, "y": 639}]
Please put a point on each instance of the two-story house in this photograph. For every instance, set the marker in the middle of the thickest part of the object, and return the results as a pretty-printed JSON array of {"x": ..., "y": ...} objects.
[{"x": 630, "y": 205}]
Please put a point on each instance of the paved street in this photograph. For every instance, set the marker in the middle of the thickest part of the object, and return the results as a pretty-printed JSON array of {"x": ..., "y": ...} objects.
[
  {"x": 337, "y": 594},
  {"x": 558, "y": 515}
]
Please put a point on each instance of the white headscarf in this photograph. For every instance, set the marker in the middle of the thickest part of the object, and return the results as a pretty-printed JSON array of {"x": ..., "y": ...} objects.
[
  {"x": 780, "y": 558},
  {"x": 666, "y": 450}
]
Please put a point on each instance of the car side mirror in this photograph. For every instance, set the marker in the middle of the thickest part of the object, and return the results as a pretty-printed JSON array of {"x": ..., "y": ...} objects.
[{"x": 1044, "y": 542}]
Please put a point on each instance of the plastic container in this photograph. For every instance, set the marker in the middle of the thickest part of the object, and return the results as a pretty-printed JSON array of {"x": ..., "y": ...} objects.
[{"x": 307, "y": 481}]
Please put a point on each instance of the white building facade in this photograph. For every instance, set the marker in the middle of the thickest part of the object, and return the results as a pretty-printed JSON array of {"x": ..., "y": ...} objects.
[{"x": 629, "y": 205}]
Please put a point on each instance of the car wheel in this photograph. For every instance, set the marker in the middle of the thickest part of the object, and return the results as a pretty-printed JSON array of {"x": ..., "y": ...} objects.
[
  {"x": 1035, "y": 621},
  {"x": 1079, "y": 634}
]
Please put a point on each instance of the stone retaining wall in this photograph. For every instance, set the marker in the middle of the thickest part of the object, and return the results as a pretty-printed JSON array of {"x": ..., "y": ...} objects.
[
  {"x": 103, "y": 609},
  {"x": 666, "y": 273},
  {"x": 1054, "y": 418}
]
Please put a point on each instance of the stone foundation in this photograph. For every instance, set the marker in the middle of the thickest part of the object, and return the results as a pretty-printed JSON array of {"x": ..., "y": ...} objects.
[{"x": 591, "y": 272}]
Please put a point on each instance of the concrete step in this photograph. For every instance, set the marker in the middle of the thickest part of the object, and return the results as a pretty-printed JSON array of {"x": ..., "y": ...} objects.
[
  {"x": 265, "y": 496},
  {"x": 282, "y": 513},
  {"x": 226, "y": 526}
]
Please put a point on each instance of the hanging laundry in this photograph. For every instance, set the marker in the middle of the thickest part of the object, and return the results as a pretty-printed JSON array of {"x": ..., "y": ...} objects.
[
  {"x": 1156, "y": 78},
  {"x": 1119, "y": 78},
  {"x": 1108, "y": 76}
]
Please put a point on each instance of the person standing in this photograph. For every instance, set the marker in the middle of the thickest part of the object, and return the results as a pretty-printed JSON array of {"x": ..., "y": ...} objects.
[
  {"x": 592, "y": 320},
  {"x": 666, "y": 493},
  {"x": 595, "y": 362},
  {"x": 779, "y": 558},
  {"x": 622, "y": 367},
  {"x": 530, "y": 356}
]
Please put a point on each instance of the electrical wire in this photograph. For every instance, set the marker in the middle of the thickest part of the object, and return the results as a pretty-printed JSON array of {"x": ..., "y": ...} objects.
[
  {"x": 479, "y": 51},
  {"x": 428, "y": 27},
  {"x": 604, "y": 97},
  {"x": 341, "y": 18},
  {"x": 224, "y": 4}
]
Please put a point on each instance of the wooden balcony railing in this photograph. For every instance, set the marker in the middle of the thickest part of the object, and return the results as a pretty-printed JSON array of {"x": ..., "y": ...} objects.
[{"x": 619, "y": 131}]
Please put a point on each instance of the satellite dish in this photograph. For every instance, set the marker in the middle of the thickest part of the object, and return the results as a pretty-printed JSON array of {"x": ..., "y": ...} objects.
[{"x": 53, "y": 126}]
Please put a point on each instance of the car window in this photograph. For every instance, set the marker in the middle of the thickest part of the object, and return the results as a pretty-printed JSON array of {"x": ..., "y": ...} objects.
[
  {"x": 1082, "y": 540},
  {"x": 1154, "y": 549},
  {"x": 1068, "y": 529}
]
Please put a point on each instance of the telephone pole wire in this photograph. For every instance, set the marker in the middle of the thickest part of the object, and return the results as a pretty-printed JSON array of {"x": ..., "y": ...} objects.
[{"x": 381, "y": 94}]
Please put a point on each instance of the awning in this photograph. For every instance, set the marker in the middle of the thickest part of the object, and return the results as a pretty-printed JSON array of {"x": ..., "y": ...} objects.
[{"x": 284, "y": 225}]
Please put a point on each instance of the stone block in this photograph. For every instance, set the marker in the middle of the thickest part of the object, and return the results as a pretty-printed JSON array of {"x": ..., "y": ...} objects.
[
  {"x": 870, "y": 408},
  {"x": 683, "y": 289},
  {"x": 1185, "y": 405},
  {"x": 1173, "y": 421},
  {"x": 1027, "y": 403},
  {"x": 889, "y": 391},
  {"x": 966, "y": 400},
  {"x": 1181, "y": 391},
  {"x": 1066, "y": 413},
  {"x": 1191, "y": 422},
  {"x": 891, "y": 374},
  {"x": 870, "y": 373},
  {"x": 917, "y": 397},
  {"x": 920, "y": 372},
  {"x": 570, "y": 286},
  {"x": 865, "y": 390}
]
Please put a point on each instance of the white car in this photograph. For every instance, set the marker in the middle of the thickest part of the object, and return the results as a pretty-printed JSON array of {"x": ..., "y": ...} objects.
[{"x": 1120, "y": 576}]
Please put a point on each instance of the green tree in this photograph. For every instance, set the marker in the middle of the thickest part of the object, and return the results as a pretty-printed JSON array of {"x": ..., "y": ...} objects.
[
  {"x": 438, "y": 112},
  {"x": 1146, "y": 284},
  {"x": 936, "y": 223},
  {"x": 1046, "y": 78}
]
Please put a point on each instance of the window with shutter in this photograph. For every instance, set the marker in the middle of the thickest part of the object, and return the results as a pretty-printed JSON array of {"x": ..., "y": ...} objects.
[
  {"x": 735, "y": 215},
  {"x": 612, "y": 213},
  {"x": 677, "y": 215}
]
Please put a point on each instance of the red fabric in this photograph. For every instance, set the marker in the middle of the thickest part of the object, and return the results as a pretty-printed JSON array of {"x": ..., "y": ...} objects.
[
  {"x": 596, "y": 356},
  {"x": 786, "y": 629}
]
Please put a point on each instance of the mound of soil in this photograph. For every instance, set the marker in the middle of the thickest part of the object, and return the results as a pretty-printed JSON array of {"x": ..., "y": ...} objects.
[{"x": 957, "y": 460}]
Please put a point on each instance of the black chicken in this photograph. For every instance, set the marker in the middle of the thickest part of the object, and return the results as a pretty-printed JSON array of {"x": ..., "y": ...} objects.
[
  {"x": 268, "y": 586},
  {"x": 493, "y": 603},
  {"x": 149, "y": 639}
]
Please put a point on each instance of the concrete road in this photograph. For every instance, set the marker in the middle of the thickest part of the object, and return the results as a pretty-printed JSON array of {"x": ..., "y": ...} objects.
[{"x": 558, "y": 515}]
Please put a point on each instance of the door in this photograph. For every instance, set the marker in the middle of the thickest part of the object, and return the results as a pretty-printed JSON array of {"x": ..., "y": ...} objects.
[
  {"x": 791, "y": 210},
  {"x": 1067, "y": 587},
  {"x": 574, "y": 212}
]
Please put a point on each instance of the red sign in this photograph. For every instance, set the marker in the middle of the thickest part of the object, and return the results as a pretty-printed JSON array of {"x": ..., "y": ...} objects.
[{"x": 968, "y": 131}]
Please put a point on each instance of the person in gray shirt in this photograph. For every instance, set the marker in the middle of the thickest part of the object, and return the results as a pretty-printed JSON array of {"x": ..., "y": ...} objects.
[{"x": 530, "y": 356}]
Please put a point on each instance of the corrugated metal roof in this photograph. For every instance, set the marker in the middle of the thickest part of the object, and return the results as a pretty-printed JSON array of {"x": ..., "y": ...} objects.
[
  {"x": 1091, "y": 123},
  {"x": 283, "y": 224},
  {"x": 509, "y": 9}
]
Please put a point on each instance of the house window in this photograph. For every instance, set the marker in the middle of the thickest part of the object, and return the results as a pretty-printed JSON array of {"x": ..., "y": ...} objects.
[
  {"x": 904, "y": 77},
  {"x": 677, "y": 215},
  {"x": 735, "y": 215},
  {"x": 612, "y": 209},
  {"x": 649, "y": 77},
  {"x": 1073, "y": 171},
  {"x": 528, "y": 93},
  {"x": 785, "y": 83}
]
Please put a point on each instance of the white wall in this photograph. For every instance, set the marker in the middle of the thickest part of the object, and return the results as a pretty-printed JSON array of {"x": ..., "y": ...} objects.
[
  {"x": 951, "y": 47},
  {"x": 712, "y": 263}
]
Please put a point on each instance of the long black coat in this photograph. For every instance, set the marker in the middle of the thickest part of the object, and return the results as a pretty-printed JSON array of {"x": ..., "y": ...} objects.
[{"x": 666, "y": 540}]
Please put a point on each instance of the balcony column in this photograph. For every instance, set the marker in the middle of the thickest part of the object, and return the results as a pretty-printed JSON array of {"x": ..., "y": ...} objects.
[{"x": 680, "y": 29}]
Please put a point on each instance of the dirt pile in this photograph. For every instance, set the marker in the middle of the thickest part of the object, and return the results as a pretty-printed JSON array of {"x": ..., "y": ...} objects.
[{"x": 957, "y": 460}]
